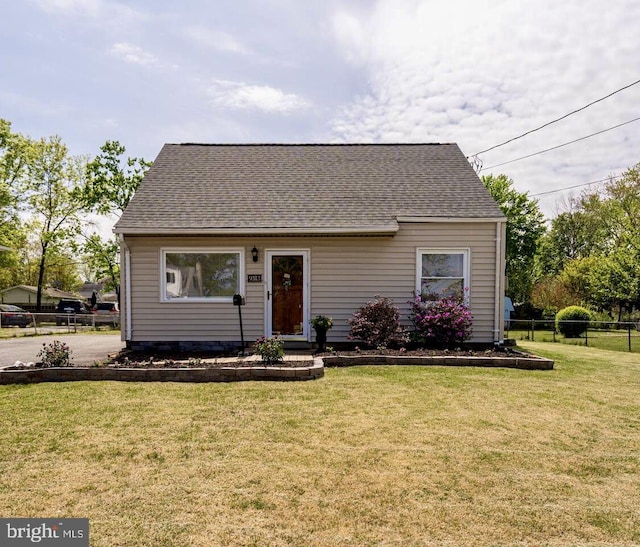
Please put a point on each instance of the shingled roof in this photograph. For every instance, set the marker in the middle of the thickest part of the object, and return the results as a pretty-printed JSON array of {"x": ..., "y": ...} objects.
[{"x": 315, "y": 188}]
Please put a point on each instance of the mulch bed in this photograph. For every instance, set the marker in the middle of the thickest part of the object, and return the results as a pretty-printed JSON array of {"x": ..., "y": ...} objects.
[
  {"x": 132, "y": 359},
  {"x": 143, "y": 360}
]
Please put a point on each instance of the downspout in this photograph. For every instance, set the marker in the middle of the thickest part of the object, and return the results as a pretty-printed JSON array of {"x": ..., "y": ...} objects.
[
  {"x": 126, "y": 276},
  {"x": 498, "y": 328}
]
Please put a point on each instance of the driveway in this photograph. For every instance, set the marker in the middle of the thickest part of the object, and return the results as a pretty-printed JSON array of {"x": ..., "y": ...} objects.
[{"x": 86, "y": 348}]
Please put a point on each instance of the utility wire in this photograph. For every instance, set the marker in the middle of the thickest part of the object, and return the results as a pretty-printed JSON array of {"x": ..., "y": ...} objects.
[
  {"x": 574, "y": 186},
  {"x": 558, "y": 119},
  {"x": 560, "y": 145}
]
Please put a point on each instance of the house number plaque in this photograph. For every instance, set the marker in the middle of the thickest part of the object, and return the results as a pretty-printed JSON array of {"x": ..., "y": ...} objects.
[{"x": 254, "y": 278}]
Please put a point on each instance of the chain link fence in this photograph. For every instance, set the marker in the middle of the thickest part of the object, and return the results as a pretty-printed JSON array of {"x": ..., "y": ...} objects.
[
  {"x": 16, "y": 323},
  {"x": 612, "y": 335}
]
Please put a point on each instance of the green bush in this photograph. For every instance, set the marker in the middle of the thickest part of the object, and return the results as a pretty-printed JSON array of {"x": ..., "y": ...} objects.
[
  {"x": 56, "y": 354},
  {"x": 572, "y": 321},
  {"x": 271, "y": 350}
]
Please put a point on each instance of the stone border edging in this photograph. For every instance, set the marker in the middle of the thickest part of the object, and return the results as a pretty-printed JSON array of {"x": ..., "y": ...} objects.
[
  {"x": 223, "y": 374},
  {"x": 520, "y": 362},
  {"x": 238, "y": 374}
]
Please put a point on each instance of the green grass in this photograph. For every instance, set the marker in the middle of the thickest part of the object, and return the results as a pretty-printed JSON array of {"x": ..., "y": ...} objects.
[
  {"x": 51, "y": 330},
  {"x": 614, "y": 340},
  {"x": 365, "y": 456}
]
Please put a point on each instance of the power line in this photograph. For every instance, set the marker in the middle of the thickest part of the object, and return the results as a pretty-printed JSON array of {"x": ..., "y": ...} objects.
[
  {"x": 559, "y": 119},
  {"x": 574, "y": 186},
  {"x": 560, "y": 145}
]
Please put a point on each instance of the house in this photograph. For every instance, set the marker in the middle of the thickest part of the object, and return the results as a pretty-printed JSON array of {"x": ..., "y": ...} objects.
[
  {"x": 303, "y": 230},
  {"x": 89, "y": 289},
  {"x": 26, "y": 296}
]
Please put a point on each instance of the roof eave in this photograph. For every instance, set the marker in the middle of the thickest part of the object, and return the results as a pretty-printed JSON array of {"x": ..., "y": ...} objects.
[
  {"x": 390, "y": 229},
  {"x": 450, "y": 219}
]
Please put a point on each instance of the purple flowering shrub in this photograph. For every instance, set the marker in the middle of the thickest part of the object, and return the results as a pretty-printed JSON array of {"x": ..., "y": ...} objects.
[
  {"x": 444, "y": 323},
  {"x": 377, "y": 324}
]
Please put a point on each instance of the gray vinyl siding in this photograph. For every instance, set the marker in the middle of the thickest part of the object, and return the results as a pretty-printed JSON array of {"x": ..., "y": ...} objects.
[{"x": 345, "y": 272}]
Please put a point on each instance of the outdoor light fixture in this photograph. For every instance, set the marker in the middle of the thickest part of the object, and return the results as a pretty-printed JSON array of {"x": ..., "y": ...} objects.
[{"x": 254, "y": 254}]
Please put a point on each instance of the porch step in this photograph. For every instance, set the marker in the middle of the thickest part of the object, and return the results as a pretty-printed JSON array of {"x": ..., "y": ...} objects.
[{"x": 296, "y": 344}]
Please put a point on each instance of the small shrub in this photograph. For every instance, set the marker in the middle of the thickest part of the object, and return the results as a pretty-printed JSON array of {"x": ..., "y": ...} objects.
[
  {"x": 56, "y": 354},
  {"x": 572, "y": 321},
  {"x": 377, "y": 324},
  {"x": 442, "y": 323},
  {"x": 271, "y": 350}
]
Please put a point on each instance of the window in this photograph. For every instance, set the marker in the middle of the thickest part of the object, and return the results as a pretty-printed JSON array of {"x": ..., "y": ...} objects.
[
  {"x": 201, "y": 274},
  {"x": 442, "y": 273}
]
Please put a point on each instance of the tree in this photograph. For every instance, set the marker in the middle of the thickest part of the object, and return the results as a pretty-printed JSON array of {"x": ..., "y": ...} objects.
[
  {"x": 525, "y": 226},
  {"x": 112, "y": 180},
  {"x": 110, "y": 183},
  {"x": 617, "y": 210},
  {"x": 573, "y": 234},
  {"x": 49, "y": 195},
  {"x": 62, "y": 266},
  {"x": 102, "y": 257},
  {"x": 13, "y": 148}
]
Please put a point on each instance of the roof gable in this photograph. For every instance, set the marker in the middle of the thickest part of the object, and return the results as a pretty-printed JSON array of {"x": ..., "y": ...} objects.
[{"x": 199, "y": 188}]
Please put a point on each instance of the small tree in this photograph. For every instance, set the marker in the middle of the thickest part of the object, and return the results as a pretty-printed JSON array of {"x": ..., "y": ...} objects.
[{"x": 377, "y": 324}]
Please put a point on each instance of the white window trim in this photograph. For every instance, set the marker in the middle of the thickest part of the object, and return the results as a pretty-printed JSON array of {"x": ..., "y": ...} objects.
[
  {"x": 194, "y": 250},
  {"x": 466, "y": 266}
]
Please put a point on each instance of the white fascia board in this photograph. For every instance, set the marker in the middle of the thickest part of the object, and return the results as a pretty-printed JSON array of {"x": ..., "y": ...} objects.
[
  {"x": 451, "y": 219},
  {"x": 364, "y": 230}
]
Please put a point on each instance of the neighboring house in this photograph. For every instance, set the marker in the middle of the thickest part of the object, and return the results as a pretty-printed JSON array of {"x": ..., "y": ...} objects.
[
  {"x": 303, "y": 230},
  {"x": 89, "y": 289},
  {"x": 26, "y": 296}
]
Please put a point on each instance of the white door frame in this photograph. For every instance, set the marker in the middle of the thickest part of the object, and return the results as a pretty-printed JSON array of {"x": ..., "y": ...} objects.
[{"x": 268, "y": 291}]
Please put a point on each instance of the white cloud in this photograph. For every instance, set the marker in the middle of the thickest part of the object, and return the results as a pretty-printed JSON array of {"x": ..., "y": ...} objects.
[
  {"x": 480, "y": 72},
  {"x": 218, "y": 40},
  {"x": 131, "y": 53},
  {"x": 81, "y": 7},
  {"x": 102, "y": 12},
  {"x": 349, "y": 32},
  {"x": 241, "y": 96}
]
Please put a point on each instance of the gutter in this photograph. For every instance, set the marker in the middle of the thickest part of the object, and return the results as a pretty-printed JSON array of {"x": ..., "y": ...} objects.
[
  {"x": 126, "y": 275},
  {"x": 498, "y": 325}
]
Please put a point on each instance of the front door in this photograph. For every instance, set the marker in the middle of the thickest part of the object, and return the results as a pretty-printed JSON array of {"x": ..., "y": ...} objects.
[{"x": 287, "y": 294}]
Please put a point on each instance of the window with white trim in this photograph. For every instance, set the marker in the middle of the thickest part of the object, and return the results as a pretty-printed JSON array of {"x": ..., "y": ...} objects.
[
  {"x": 201, "y": 274},
  {"x": 442, "y": 272}
]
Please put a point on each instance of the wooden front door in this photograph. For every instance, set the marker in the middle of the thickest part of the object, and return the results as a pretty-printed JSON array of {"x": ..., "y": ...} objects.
[{"x": 286, "y": 294}]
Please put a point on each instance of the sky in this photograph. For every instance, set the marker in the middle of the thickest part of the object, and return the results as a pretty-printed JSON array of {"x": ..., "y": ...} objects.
[{"x": 473, "y": 72}]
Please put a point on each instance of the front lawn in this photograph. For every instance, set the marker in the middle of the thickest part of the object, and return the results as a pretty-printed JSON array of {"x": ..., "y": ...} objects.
[{"x": 365, "y": 456}]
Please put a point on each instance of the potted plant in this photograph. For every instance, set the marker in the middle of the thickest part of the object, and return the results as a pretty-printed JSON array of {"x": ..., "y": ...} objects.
[{"x": 321, "y": 324}]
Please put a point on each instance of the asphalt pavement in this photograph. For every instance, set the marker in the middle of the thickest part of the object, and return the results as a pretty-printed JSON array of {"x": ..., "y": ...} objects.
[{"x": 86, "y": 348}]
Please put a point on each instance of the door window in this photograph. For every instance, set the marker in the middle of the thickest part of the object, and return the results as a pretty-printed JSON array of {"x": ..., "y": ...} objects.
[{"x": 287, "y": 304}]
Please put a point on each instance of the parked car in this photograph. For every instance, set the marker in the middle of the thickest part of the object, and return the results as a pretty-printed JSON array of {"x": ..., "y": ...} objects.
[
  {"x": 69, "y": 311},
  {"x": 107, "y": 312},
  {"x": 13, "y": 316}
]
